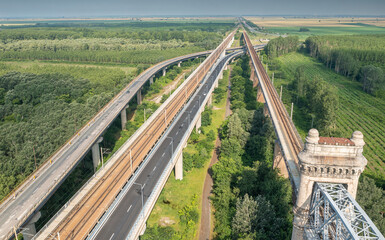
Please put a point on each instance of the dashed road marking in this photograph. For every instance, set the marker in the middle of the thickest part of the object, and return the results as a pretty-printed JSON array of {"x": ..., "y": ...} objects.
[
  {"x": 129, "y": 208},
  {"x": 112, "y": 236}
]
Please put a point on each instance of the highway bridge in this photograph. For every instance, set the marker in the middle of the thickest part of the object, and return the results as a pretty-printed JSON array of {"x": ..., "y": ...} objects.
[
  {"x": 22, "y": 204},
  {"x": 83, "y": 214}
]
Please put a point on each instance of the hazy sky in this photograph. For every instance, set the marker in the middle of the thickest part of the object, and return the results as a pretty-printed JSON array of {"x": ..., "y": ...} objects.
[{"x": 92, "y": 8}]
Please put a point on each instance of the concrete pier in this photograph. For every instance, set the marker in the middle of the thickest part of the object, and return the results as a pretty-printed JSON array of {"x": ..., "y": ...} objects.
[
  {"x": 164, "y": 72},
  {"x": 279, "y": 161},
  {"x": 151, "y": 80},
  {"x": 29, "y": 230},
  {"x": 96, "y": 153},
  {"x": 198, "y": 124},
  {"x": 179, "y": 64},
  {"x": 179, "y": 167},
  {"x": 123, "y": 117},
  {"x": 139, "y": 96}
]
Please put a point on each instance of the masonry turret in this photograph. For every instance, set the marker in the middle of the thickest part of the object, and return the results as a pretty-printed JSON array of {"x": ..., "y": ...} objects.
[{"x": 329, "y": 160}]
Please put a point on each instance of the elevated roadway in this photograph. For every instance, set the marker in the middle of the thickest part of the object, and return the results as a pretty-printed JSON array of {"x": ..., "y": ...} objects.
[
  {"x": 30, "y": 196},
  {"x": 85, "y": 213},
  {"x": 126, "y": 213}
]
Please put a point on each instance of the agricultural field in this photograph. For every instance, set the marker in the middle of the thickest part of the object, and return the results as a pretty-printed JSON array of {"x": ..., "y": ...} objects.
[
  {"x": 320, "y": 26},
  {"x": 357, "y": 109}
]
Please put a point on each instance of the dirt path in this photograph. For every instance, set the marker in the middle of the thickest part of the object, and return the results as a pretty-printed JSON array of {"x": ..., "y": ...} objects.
[{"x": 205, "y": 227}]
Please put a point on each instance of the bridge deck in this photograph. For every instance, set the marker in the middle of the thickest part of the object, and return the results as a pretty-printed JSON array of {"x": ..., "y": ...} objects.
[{"x": 289, "y": 139}]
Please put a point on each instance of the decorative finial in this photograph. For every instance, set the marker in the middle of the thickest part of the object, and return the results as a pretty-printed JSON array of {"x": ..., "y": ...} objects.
[
  {"x": 358, "y": 138},
  {"x": 313, "y": 136}
]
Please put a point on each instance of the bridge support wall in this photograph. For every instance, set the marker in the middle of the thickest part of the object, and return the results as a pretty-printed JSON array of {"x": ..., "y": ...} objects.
[
  {"x": 328, "y": 160},
  {"x": 279, "y": 161},
  {"x": 260, "y": 97},
  {"x": 96, "y": 153},
  {"x": 164, "y": 72},
  {"x": 179, "y": 64},
  {"x": 123, "y": 117},
  {"x": 151, "y": 80},
  {"x": 139, "y": 96},
  {"x": 29, "y": 230}
]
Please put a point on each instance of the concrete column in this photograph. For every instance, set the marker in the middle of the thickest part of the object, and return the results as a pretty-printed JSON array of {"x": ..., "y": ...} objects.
[
  {"x": 220, "y": 75},
  {"x": 198, "y": 124},
  {"x": 226, "y": 66},
  {"x": 179, "y": 167},
  {"x": 29, "y": 230},
  {"x": 210, "y": 100},
  {"x": 260, "y": 97},
  {"x": 123, "y": 117},
  {"x": 279, "y": 161},
  {"x": 139, "y": 96},
  {"x": 96, "y": 153},
  {"x": 164, "y": 72},
  {"x": 179, "y": 64},
  {"x": 151, "y": 80},
  {"x": 265, "y": 110},
  {"x": 216, "y": 83}
]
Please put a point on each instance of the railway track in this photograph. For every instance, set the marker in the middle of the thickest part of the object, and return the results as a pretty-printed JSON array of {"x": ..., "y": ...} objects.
[
  {"x": 295, "y": 143},
  {"x": 80, "y": 221}
]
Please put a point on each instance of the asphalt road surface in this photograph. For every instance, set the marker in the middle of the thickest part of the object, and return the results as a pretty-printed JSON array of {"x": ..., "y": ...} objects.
[{"x": 125, "y": 214}]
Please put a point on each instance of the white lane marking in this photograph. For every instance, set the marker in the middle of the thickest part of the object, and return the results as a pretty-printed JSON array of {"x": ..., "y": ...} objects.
[
  {"x": 143, "y": 185},
  {"x": 154, "y": 168},
  {"x": 177, "y": 133},
  {"x": 112, "y": 236},
  {"x": 129, "y": 208},
  {"x": 163, "y": 154}
]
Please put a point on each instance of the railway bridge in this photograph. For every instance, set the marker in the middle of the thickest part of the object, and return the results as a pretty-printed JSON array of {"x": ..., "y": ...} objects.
[{"x": 324, "y": 171}]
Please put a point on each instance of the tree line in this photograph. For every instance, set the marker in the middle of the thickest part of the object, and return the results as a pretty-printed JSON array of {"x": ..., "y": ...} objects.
[
  {"x": 251, "y": 200},
  {"x": 317, "y": 98},
  {"x": 358, "y": 57},
  {"x": 279, "y": 46}
]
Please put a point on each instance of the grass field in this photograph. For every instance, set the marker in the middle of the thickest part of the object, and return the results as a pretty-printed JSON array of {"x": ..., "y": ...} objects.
[
  {"x": 94, "y": 73},
  {"x": 321, "y": 26},
  {"x": 357, "y": 110},
  {"x": 177, "y": 194}
]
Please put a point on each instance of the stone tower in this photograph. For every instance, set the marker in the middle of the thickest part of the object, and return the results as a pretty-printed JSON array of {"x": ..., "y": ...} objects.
[{"x": 329, "y": 160}]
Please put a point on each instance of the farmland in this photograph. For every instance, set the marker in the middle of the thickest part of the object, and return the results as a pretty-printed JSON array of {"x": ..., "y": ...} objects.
[
  {"x": 357, "y": 111},
  {"x": 320, "y": 26}
]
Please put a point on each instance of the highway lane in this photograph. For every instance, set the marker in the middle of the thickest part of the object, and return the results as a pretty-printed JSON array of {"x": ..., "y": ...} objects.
[
  {"x": 35, "y": 192},
  {"x": 125, "y": 214}
]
